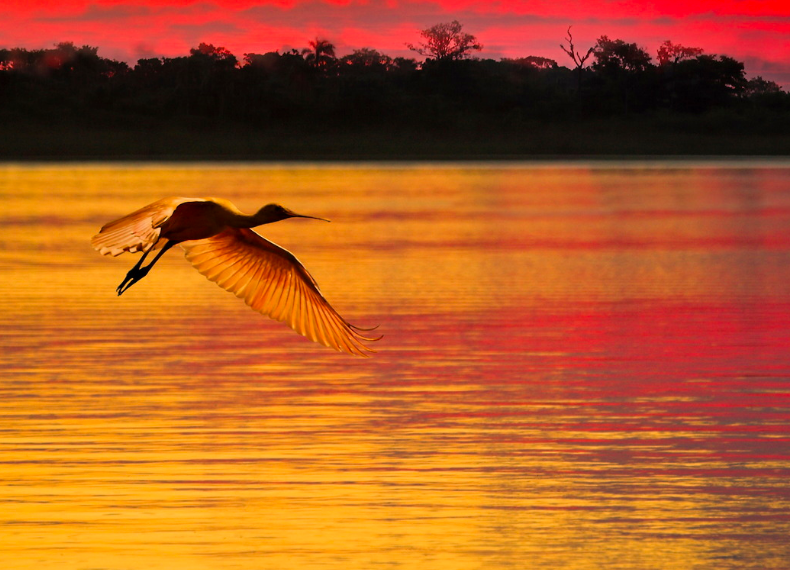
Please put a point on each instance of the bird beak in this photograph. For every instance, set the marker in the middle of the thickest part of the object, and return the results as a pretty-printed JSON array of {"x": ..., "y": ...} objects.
[{"x": 295, "y": 215}]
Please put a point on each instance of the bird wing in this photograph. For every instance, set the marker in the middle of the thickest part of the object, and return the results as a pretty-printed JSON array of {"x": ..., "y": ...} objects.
[
  {"x": 273, "y": 282},
  {"x": 138, "y": 231}
]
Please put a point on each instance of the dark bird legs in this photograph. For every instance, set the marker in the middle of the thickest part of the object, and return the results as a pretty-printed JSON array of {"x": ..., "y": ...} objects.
[{"x": 138, "y": 271}]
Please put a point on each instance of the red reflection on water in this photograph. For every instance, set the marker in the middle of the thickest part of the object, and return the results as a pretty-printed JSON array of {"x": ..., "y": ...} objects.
[{"x": 635, "y": 389}]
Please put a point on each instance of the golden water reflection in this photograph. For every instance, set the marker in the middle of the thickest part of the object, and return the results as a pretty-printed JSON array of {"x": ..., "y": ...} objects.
[{"x": 583, "y": 367}]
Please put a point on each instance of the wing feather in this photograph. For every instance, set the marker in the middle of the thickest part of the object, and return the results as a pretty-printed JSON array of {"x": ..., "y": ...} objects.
[
  {"x": 305, "y": 318},
  {"x": 286, "y": 307},
  {"x": 297, "y": 315},
  {"x": 247, "y": 274},
  {"x": 267, "y": 294},
  {"x": 318, "y": 327},
  {"x": 309, "y": 321},
  {"x": 326, "y": 327},
  {"x": 225, "y": 277},
  {"x": 138, "y": 231},
  {"x": 273, "y": 282},
  {"x": 239, "y": 280},
  {"x": 257, "y": 298}
]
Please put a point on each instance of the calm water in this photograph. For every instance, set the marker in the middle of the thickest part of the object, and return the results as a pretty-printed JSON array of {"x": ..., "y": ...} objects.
[{"x": 583, "y": 367}]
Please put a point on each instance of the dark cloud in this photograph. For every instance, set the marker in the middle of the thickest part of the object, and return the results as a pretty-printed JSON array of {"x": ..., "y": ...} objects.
[
  {"x": 97, "y": 13},
  {"x": 773, "y": 70},
  {"x": 206, "y": 29},
  {"x": 381, "y": 14}
]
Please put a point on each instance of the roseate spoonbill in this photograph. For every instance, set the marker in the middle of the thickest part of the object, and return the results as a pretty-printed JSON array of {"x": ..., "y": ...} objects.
[{"x": 219, "y": 243}]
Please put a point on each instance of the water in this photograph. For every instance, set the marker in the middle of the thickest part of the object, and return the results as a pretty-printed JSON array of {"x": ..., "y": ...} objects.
[{"x": 584, "y": 366}]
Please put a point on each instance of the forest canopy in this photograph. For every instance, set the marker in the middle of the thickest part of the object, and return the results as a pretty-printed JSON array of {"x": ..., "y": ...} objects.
[{"x": 449, "y": 88}]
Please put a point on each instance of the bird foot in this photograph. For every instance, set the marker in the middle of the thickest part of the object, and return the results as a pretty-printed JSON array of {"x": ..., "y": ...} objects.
[{"x": 131, "y": 278}]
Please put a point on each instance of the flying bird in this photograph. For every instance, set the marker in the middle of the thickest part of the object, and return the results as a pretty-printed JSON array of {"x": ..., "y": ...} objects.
[{"x": 218, "y": 241}]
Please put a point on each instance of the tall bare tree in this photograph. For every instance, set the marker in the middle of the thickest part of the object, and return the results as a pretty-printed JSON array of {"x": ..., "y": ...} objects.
[
  {"x": 446, "y": 41},
  {"x": 577, "y": 58}
]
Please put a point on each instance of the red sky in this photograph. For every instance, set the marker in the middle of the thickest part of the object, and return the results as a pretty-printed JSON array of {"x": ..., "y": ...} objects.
[{"x": 756, "y": 32}]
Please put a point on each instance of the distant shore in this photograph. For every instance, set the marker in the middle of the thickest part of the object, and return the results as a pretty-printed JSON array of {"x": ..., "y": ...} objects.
[{"x": 202, "y": 142}]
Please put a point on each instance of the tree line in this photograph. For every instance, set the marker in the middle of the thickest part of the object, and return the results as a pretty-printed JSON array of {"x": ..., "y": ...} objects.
[{"x": 316, "y": 88}]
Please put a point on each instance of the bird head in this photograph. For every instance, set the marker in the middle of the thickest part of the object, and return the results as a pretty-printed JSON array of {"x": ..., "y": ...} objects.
[{"x": 275, "y": 212}]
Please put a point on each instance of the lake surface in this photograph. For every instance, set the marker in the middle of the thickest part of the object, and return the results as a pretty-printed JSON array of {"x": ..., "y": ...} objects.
[{"x": 584, "y": 366}]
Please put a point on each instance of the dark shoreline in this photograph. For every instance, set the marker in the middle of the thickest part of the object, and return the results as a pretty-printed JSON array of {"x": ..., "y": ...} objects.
[{"x": 593, "y": 140}]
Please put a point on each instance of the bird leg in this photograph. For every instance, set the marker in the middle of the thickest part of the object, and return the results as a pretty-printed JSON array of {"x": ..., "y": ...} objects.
[{"x": 138, "y": 271}]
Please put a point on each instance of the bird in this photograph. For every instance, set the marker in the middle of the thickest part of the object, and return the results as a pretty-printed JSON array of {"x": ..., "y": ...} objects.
[{"x": 218, "y": 240}]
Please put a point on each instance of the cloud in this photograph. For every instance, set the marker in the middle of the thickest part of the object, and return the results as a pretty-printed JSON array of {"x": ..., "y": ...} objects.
[{"x": 96, "y": 13}]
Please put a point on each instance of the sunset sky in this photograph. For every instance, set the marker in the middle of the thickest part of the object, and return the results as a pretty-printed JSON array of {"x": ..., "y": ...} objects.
[{"x": 756, "y": 32}]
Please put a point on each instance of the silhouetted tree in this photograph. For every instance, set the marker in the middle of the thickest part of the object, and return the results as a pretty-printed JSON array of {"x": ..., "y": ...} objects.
[
  {"x": 255, "y": 59},
  {"x": 116, "y": 68},
  {"x": 760, "y": 86},
  {"x": 449, "y": 91},
  {"x": 320, "y": 54},
  {"x": 220, "y": 55},
  {"x": 74, "y": 64},
  {"x": 707, "y": 81},
  {"x": 578, "y": 59},
  {"x": 622, "y": 67},
  {"x": 766, "y": 94},
  {"x": 149, "y": 68},
  {"x": 535, "y": 62},
  {"x": 206, "y": 79},
  {"x": 614, "y": 56},
  {"x": 405, "y": 65},
  {"x": 6, "y": 61},
  {"x": 446, "y": 42},
  {"x": 65, "y": 54},
  {"x": 367, "y": 58},
  {"x": 669, "y": 53}
]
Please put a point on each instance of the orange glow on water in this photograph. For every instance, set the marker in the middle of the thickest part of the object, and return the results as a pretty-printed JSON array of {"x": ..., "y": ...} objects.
[{"x": 582, "y": 366}]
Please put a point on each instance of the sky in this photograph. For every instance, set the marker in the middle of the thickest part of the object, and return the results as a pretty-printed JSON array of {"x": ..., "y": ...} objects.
[{"x": 756, "y": 32}]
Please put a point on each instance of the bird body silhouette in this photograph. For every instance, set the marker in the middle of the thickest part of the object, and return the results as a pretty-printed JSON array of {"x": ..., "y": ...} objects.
[{"x": 218, "y": 241}]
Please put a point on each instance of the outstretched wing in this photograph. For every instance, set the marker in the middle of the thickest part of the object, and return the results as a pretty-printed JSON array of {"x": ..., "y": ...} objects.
[
  {"x": 139, "y": 231},
  {"x": 272, "y": 281}
]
